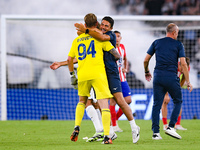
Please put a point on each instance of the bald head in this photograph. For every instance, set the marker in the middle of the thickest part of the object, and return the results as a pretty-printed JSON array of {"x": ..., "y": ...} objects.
[
  {"x": 171, "y": 27},
  {"x": 172, "y": 31}
]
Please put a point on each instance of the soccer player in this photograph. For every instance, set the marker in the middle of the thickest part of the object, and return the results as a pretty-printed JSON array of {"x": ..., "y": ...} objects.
[
  {"x": 122, "y": 67},
  {"x": 167, "y": 51},
  {"x": 112, "y": 69},
  {"x": 91, "y": 73},
  {"x": 92, "y": 107},
  {"x": 167, "y": 100}
]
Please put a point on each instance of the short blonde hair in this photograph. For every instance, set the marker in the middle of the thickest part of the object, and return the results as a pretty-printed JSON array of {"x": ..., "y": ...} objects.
[{"x": 90, "y": 20}]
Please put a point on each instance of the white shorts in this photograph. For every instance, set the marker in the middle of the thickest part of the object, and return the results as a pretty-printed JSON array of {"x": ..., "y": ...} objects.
[{"x": 93, "y": 95}]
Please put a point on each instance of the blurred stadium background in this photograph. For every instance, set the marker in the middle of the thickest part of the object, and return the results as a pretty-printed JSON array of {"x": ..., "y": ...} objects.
[{"x": 42, "y": 32}]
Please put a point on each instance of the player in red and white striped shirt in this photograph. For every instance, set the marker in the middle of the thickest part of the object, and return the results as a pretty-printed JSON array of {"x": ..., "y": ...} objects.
[
  {"x": 167, "y": 99},
  {"x": 122, "y": 67}
]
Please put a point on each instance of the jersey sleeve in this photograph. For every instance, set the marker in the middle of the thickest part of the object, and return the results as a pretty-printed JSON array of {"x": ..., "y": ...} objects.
[
  {"x": 151, "y": 49},
  {"x": 112, "y": 37},
  {"x": 123, "y": 47},
  {"x": 107, "y": 46},
  {"x": 181, "y": 50},
  {"x": 72, "y": 50}
]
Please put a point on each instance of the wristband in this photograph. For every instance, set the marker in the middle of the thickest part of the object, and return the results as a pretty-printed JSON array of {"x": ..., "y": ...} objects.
[
  {"x": 86, "y": 31},
  {"x": 72, "y": 73},
  {"x": 146, "y": 71}
]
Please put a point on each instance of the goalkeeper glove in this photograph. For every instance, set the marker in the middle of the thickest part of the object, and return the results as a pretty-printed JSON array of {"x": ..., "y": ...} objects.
[
  {"x": 74, "y": 80},
  {"x": 75, "y": 86}
]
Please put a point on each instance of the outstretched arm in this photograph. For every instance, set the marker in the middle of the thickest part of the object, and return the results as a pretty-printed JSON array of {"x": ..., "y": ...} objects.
[
  {"x": 94, "y": 32},
  {"x": 70, "y": 64},
  {"x": 56, "y": 65}
]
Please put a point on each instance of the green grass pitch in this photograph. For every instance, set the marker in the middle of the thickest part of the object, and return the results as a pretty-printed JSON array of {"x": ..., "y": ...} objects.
[{"x": 55, "y": 135}]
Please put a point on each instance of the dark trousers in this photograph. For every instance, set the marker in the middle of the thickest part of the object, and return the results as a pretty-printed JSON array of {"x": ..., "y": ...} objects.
[{"x": 161, "y": 85}]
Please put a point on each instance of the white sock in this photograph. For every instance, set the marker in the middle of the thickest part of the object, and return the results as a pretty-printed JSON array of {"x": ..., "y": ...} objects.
[
  {"x": 99, "y": 115},
  {"x": 92, "y": 114},
  {"x": 111, "y": 131},
  {"x": 133, "y": 124}
]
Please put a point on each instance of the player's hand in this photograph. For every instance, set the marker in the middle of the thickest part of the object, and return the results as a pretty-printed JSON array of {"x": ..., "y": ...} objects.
[
  {"x": 148, "y": 76},
  {"x": 80, "y": 27},
  {"x": 75, "y": 86},
  {"x": 55, "y": 65},
  {"x": 189, "y": 87},
  {"x": 74, "y": 80},
  {"x": 124, "y": 70}
]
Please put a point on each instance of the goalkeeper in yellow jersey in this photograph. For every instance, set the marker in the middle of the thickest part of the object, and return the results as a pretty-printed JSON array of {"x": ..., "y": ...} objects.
[{"x": 91, "y": 73}]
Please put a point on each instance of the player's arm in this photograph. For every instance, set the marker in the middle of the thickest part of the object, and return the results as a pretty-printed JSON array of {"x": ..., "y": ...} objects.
[
  {"x": 186, "y": 73},
  {"x": 79, "y": 33},
  {"x": 125, "y": 64},
  {"x": 146, "y": 67},
  {"x": 94, "y": 32},
  {"x": 115, "y": 54},
  {"x": 182, "y": 78},
  {"x": 70, "y": 64},
  {"x": 56, "y": 65}
]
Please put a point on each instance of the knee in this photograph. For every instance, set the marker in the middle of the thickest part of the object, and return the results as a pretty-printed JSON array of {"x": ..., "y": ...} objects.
[
  {"x": 112, "y": 102},
  {"x": 178, "y": 101},
  {"x": 95, "y": 105},
  {"x": 89, "y": 102},
  {"x": 165, "y": 103},
  {"x": 128, "y": 100}
]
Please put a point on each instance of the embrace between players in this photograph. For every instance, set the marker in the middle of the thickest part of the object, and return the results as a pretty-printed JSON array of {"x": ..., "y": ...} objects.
[{"x": 97, "y": 73}]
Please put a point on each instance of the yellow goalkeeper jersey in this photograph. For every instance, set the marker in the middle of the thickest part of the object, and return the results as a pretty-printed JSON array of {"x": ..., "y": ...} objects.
[{"x": 89, "y": 53}]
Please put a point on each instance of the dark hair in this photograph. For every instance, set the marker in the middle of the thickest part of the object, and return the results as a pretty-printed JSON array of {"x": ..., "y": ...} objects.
[
  {"x": 90, "y": 20},
  {"x": 187, "y": 59},
  {"x": 117, "y": 32},
  {"x": 129, "y": 63},
  {"x": 109, "y": 19}
]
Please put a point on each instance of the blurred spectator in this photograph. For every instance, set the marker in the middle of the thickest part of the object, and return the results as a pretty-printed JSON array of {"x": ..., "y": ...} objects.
[
  {"x": 136, "y": 7},
  {"x": 189, "y": 7},
  {"x": 153, "y": 7},
  {"x": 133, "y": 82},
  {"x": 120, "y": 6},
  {"x": 168, "y": 8},
  {"x": 156, "y": 7}
]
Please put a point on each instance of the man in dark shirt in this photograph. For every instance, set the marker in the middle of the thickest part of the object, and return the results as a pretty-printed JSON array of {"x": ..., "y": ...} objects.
[{"x": 167, "y": 50}]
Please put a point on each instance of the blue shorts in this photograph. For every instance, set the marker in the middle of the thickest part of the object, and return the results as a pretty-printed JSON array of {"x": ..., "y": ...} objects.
[
  {"x": 125, "y": 89},
  {"x": 114, "y": 83}
]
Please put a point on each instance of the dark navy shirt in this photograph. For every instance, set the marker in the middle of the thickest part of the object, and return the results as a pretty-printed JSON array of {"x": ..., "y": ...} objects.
[
  {"x": 167, "y": 51},
  {"x": 109, "y": 59}
]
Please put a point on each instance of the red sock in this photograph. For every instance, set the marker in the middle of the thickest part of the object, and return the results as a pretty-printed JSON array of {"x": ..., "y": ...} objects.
[
  {"x": 178, "y": 121},
  {"x": 113, "y": 115},
  {"x": 164, "y": 120},
  {"x": 119, "y": 113}
]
